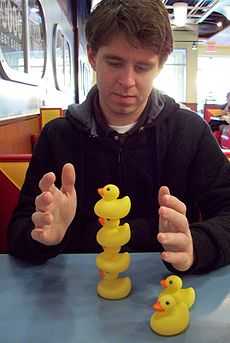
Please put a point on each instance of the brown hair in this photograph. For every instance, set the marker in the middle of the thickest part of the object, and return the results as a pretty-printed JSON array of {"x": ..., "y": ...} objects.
[{"x": 142, "y": 21}]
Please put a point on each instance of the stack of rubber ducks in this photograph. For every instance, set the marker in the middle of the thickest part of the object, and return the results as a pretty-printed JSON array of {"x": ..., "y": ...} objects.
[
  {"x": 112, "y": 236},
  {"x": 172, "y": 315}
]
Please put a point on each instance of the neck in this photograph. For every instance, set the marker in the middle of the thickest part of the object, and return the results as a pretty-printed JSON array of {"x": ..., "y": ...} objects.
[{"x": 119, "y": 118}]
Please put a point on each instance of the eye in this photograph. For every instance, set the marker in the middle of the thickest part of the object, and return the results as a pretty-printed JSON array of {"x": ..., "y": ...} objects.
[
  {"x": 170, "y": 282},
  {"x": 108, "y": 219},
  {"x": 114, "y": 64},
  {"x": 141, "y": 67},
  {"x": 167, "y": 303},
  {"x": 108, "y": 189}
]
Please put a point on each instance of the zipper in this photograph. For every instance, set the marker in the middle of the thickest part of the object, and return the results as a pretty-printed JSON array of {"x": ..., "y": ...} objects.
[{"x": 119, "y": 156}]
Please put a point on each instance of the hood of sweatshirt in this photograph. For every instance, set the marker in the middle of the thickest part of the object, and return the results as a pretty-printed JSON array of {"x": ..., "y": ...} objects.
[{"x": 82, "y": 115}]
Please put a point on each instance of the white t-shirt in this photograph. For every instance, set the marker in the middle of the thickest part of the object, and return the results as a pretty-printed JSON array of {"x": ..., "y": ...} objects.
[{"x": 122, "y": 128}]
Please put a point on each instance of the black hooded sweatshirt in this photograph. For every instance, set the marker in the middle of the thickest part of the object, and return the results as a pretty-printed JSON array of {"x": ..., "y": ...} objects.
[{"x": 167, "y": 146}]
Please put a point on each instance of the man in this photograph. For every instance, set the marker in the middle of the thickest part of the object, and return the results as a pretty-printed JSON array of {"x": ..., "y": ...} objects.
[{"x": 126, "y": 133}]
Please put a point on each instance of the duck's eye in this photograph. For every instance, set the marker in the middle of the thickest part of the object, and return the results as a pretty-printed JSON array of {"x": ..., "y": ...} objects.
[
  {"x": 108, "y": 219},
  {"x": 108, "y": 189},
  {"x": 170, "y": 282},
  {"x": 167, "y": 303}
]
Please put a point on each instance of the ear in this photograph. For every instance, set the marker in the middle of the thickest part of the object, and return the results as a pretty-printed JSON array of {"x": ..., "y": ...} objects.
[{"x": 91, "y": 57}]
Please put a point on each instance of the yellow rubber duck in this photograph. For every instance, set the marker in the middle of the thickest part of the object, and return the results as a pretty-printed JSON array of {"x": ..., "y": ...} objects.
[
  {"x": 170, "y": 318},
  {"x": 173, "y": 286},
  {"x": 112, "y": 234},
  {"x": 109, "y": 206},
  {"x": 113, "y": 288},
  {"x": 116, "y": 263}
]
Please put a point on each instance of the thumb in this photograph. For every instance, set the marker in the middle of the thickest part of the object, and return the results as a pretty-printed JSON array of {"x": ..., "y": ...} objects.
[{"x": 68, "y": 178}]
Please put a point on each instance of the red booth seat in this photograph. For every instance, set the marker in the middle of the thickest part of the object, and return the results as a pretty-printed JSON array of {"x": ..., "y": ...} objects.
[{"x": 12, "y": 173}]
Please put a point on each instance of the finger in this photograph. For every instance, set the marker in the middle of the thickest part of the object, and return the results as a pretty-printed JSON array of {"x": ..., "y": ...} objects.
[
  {"x": 174, "y": 203},
  {"x": 47, "y": 181},
  {"x": 174, "y": 241},
  {"x": 166, "y": 199},
  {"x": 176, "y": 220},
  {"x": 163, "y": 191},
  {"x": 68, "y": 178},
  {"x": 42, "y": 236},
  {"x": 43, "y": 201},
  {"x": 41, "y": 219},
  {"x": 162, "y": 198},
  {"x": 37, "y": 234},
  {"x": 180, "y": 260}
]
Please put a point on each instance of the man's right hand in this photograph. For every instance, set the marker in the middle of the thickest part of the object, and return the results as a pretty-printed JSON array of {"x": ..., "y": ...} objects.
[{"x": 55, "y": 209}]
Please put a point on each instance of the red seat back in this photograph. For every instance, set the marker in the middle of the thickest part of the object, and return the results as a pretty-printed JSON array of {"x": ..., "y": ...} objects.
[
  {"x": 225, "y": 137},
  {"x": 9, "y": 194},
  {"x": 12, "y": 173}
]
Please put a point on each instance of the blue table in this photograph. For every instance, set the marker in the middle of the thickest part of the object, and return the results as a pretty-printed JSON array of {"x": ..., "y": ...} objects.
[{"x": 57, "y": 302}]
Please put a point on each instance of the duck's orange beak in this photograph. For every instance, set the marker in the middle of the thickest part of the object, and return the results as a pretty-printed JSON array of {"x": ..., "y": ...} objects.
[
  {"x": 157, "y": 307},
  {"x": 100, "y": 191},
  {"x": 164, "y": 283},
  {"x": 101, "y": 221},
  {"x": 101, "y": 274}
]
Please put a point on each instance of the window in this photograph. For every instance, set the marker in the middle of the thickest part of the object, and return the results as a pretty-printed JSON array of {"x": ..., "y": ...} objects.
[
  {"x": 37, "y": 39},
  {"x": 22, "y": 40},
  {"x": 12, "y": 34},
  {"x": 62, "y": 60},
  {"x": 172, "y": 78},
  {"x": 213, "y": 79}
]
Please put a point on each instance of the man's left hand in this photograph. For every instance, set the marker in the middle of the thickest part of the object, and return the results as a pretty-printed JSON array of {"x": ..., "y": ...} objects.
[{"x": 174, "y": 233}]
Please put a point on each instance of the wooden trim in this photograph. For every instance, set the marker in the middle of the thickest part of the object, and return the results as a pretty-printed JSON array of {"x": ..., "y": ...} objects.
[
  {"x": 15, "y": 119},
  {"x": 15, "y": 135}
]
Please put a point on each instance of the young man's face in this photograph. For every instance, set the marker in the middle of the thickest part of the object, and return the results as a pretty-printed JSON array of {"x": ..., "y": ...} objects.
[{"x": 125, "y": 77}]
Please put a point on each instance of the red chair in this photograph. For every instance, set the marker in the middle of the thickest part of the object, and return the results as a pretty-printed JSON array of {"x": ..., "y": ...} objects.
[
  {"x": 212, "y": 110},
  {"x": 12, "y": 174},
  {"x": 225, "y": 137},
  {"x": 217, "y": 135},
  {"x": 9, "y": 194}
]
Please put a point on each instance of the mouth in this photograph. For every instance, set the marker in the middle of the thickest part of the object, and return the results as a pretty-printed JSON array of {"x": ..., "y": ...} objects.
[
  {"x": 124, "y": 95},
  {"x": 124, "y": 99}
]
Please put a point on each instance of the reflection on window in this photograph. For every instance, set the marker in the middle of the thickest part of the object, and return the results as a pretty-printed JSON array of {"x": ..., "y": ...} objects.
[
  {"x": 11, "y": 33},
  {"x": 37, "y": 38},
  {"x": 67, "y": 65},
  {"x": 172, "y": 78},
  {"x": 22, "y": 40},
  {"x": 62, "y": 60}
]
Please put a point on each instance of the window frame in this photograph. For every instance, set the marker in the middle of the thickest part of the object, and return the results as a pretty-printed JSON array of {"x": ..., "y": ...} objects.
[{"x": 56, "y": 30}]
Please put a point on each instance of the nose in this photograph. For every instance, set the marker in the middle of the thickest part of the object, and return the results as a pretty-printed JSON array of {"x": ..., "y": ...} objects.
[{"x": 127, "y": 77}]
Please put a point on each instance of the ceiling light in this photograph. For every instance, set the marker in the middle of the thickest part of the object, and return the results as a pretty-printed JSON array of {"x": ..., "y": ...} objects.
[{"x": 180, "y": 13}]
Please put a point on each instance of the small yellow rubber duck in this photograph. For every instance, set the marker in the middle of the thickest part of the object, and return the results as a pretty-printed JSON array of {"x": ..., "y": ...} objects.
[
  {"x": 173, "y": 286},
  {"x": 109, "y": 206},
  {"x": 113, "y": 288},
  {"x": 112, "y": 234},
  {"x": 170, "y": 318},
  {"x": 117, "y": 263}
]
